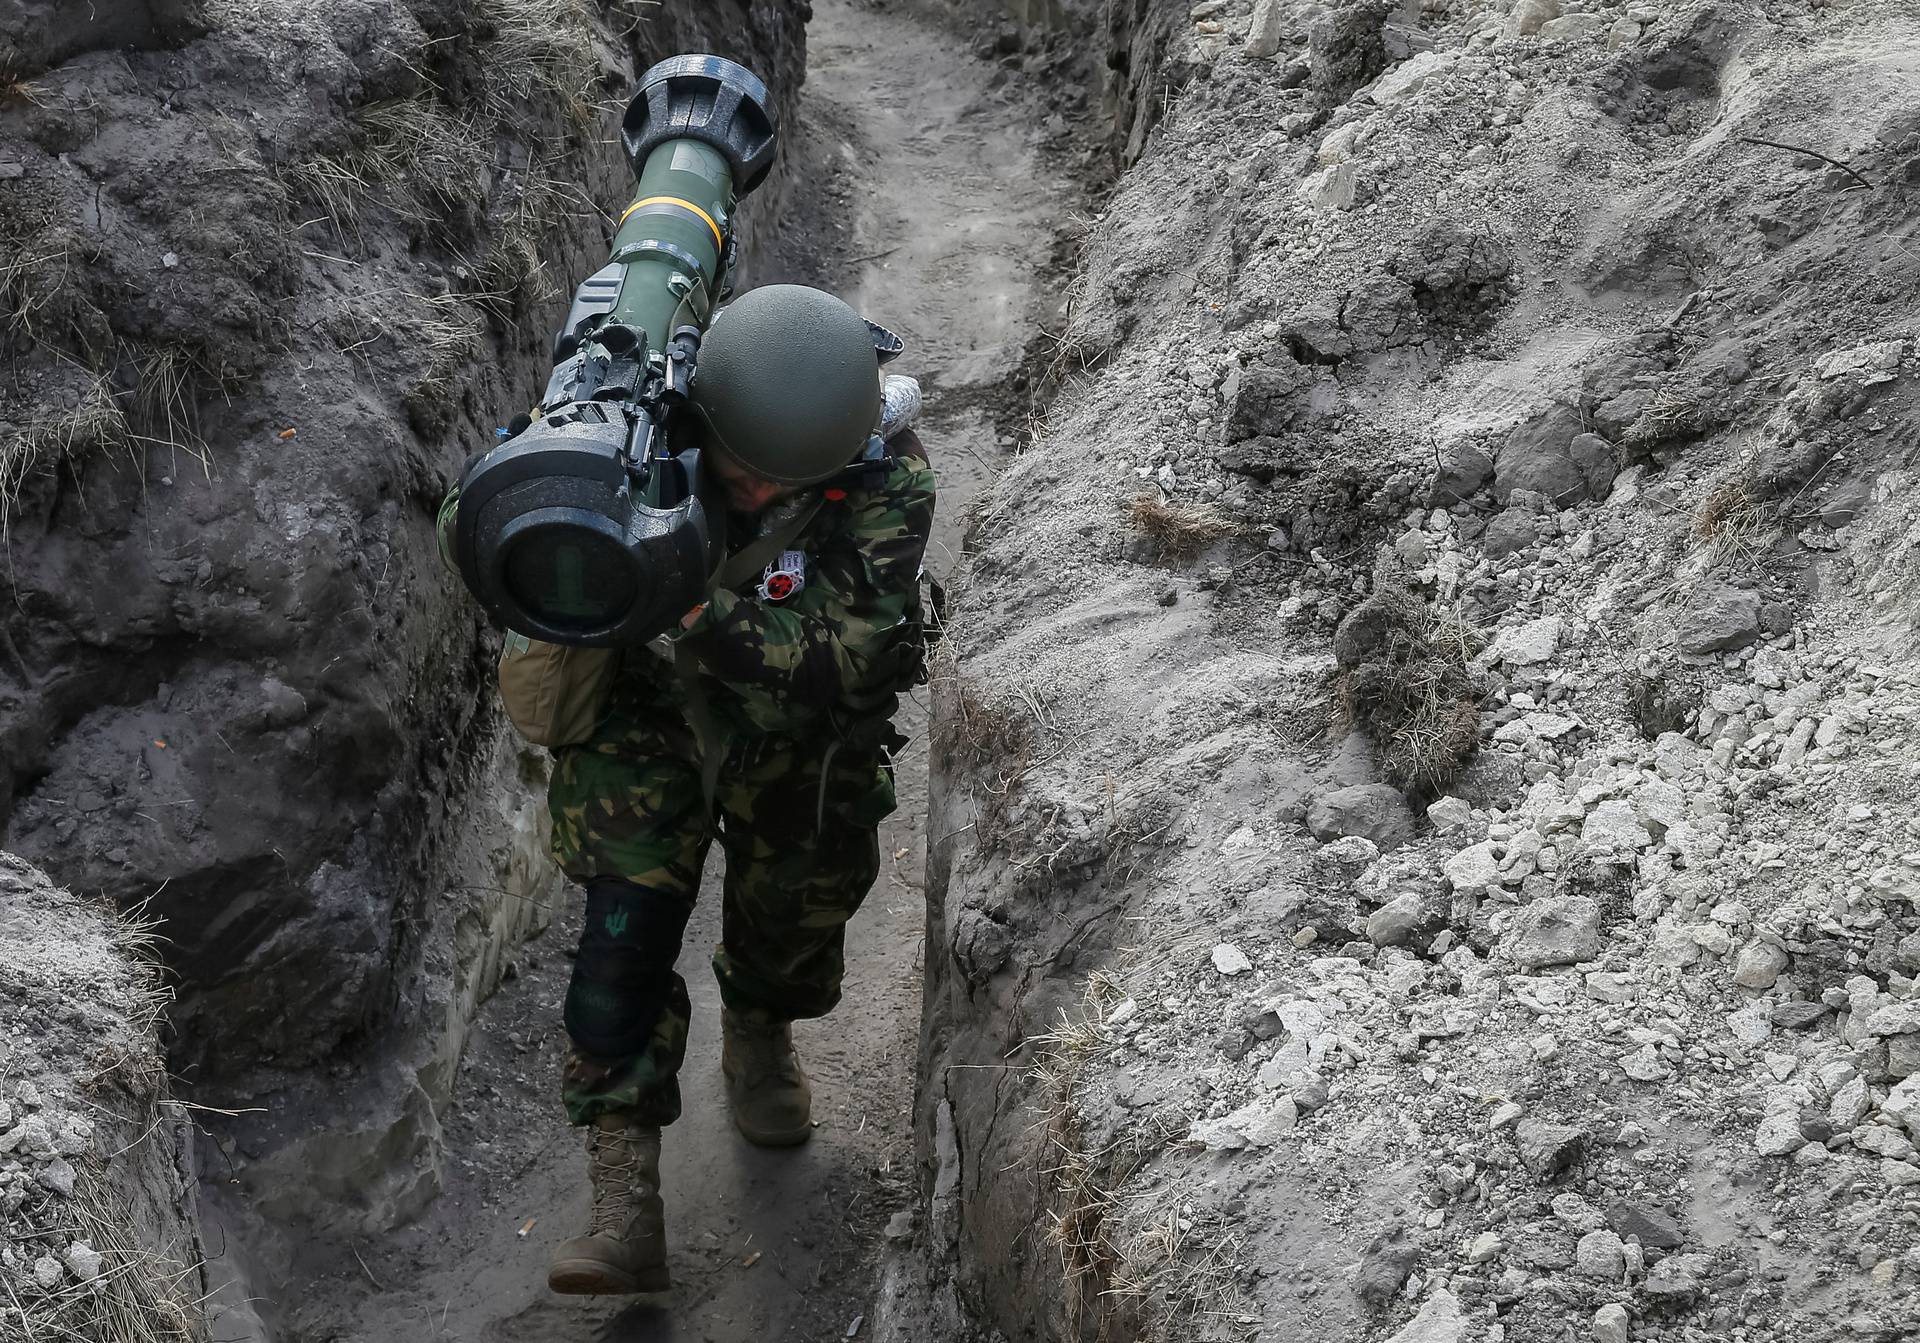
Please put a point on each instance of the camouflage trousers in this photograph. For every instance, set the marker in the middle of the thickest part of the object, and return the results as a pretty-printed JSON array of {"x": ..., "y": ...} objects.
[{"x": 798, "y": 822}]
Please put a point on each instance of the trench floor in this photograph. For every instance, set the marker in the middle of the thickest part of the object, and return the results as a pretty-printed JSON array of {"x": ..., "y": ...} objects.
[{"x": 944, "y": 237}]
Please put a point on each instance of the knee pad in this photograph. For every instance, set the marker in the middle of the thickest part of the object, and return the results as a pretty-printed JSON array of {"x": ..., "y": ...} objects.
[{"x": 623, "y": 974}]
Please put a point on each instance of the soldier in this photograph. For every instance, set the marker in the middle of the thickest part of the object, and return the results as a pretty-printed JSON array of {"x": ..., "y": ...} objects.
[{"x": 768, "y": 725}]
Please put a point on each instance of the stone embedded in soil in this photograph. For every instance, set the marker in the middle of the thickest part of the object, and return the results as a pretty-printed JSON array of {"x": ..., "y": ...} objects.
[
  {"x": 1719, "y": 619},
  {"x": 1551, "y": 456},
  {"x": 59, "y": 1177},
  {"x": 1384, "y": 1266},
  {"x": 1394, "y": 923},
  {"x": 1529, "y": 16},
  {"x": 1268, "y": 32},
  {"x": 1440, "y": 1321},
  {"x": 1849, "y": 1105},
  {"x": 1613, "y": 829},
  {"x": 47, "y": 1272},
  {"x": 1228, "y": 959},
  {"x": 1373, "y": 811},
  {"x": 1797, "y": 1015},
  {"x": 1512, "y": 530},
  {"x": 1600, "y": 1254},
  {"x": 1405, "y": 79},
  {"x": 83, "y": 1261},
  {"x": 1474, "y": 868},
  {"x": 1547, "y": 1148},
  {"x": 1610, "y": 1323},
  {"x": 1645, "y": 1065},
  {"x": 1559, "y": 930},
  {"x": 1679, "y": 1278},
  {"x": 1528, "y": 645},
  {"x": 1649, "y": 1225},
  {"x": 1463, "y": 472},
  {"x": 1573, "y": 27},
  {"x": 1902, "y": 1104},
  {"x": 1758, "y": 965},
  {"x": 1779, "y": 1135}
]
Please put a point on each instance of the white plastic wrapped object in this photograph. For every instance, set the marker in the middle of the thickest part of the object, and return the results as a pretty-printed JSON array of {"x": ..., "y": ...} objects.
[{"x": 899, "y": 403}]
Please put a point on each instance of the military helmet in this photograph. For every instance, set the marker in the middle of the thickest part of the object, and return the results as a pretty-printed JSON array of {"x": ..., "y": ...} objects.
[{"x": 789, "y": 383}]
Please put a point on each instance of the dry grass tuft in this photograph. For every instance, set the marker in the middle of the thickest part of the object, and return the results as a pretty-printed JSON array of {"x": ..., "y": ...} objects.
[
  {"x": 1177, "y": 532},
  {"x": 1730, "y": 507},
  {"x": 1406, "y": 681},
  {"x": 17, "y": 88},
  {"x": 514, "y": 275},
  {"x": 1185, "y": 1285},
  {"x": 973, "y": 727},
  {"x": 166, "y": 401},
  {"x": 69, "y": 435},
  {"x": 1081, "y": 1190},
  {"x": 1735, "y": 523},
  {"x": 423, "y": 160},
  {"x": 1133, "y": 1266},
  {"x": 1671, "y": 414},
  {"x": 36, "y": 261},
  {"x": 540, "y": 48}
]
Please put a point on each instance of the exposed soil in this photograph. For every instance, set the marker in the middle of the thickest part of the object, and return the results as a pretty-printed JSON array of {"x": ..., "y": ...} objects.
[
  {"x": 1421, "y": 850},
  {"x": 933, "y": 156}
]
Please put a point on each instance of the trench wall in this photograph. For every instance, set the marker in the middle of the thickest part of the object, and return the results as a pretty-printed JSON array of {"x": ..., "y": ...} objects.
[{"x": 1403, "y": 694}]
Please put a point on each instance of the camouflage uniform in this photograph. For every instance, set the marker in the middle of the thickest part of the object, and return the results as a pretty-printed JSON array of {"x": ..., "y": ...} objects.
[{"x": 801, "y": 693}]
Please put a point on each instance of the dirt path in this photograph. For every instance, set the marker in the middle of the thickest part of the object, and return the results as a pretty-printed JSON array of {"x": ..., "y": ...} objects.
[{"x": 949, "y": 226}]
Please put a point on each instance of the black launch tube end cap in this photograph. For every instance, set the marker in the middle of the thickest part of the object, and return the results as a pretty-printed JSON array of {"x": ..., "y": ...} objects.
[{"x": 708, "y": 99}]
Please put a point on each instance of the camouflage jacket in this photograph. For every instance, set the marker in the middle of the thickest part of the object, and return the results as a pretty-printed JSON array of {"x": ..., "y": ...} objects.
[{"x": 830, "y": 658}]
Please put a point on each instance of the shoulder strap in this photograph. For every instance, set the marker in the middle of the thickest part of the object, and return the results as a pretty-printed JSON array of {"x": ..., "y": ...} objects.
[
  {"x": 709, "y": 737},
  {"x": 762, "y": 550}
]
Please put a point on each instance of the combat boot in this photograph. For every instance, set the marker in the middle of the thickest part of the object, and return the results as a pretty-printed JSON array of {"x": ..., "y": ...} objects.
[
  {"x": 625, "y": 1248},
  {"x": 765, "y": 1083}
]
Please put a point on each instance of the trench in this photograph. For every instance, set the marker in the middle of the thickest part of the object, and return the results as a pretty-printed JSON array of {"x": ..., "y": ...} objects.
[{"x": 933, "y": 157}]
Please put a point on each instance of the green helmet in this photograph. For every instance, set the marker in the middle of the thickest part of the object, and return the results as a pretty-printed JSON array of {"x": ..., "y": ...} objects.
[{"x": 789, "y": 383}]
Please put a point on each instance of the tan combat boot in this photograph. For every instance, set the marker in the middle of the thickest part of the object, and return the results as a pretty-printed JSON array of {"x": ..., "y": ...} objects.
[
  {"x": 765, "y": 1084},
  {"x": 625, "y": 1248}
]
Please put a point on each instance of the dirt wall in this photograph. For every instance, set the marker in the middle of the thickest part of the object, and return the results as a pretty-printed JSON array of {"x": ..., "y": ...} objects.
[
  {"x": 272, "y": 272},
  {"x": 1413, "y": 851},
  {"x": 96, "y": 1184}
]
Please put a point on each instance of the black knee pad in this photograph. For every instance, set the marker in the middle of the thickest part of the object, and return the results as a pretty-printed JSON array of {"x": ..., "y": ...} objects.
[{"x": 623, "y": 975}]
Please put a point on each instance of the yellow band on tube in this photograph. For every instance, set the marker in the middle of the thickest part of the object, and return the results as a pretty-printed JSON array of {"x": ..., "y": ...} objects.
[{"x": 718, "y": 241}]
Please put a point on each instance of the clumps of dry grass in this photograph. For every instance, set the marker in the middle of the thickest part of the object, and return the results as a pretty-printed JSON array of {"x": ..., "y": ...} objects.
[
  {"x": 1178, "y": 532},
  {"x": 1729, "y": 506},
  {"x": 1405, "y": 680},
  {"x": 539, "y": 48},
  {"x": 970, "y": 726},
  {"x": 1734, "y": 522},
  {"x": 1672, "y": 414},
  {"x": 1179, "y": 1281},
  {"x": 37, "y": 254},
  {"x": 1081, "y": 1193},
  {"x": 424, "y": 162},
  {"x": 69, "y": 434},
  {"x": 515, "y": 277},
  {"x": 1133, "y": 1266},
  {"x": 16, "y": 88},
  {"x": 1069, "y": 352}
]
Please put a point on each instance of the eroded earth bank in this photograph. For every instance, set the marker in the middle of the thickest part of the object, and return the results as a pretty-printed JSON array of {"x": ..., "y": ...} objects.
[{"x": 1423, "y": 844}]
